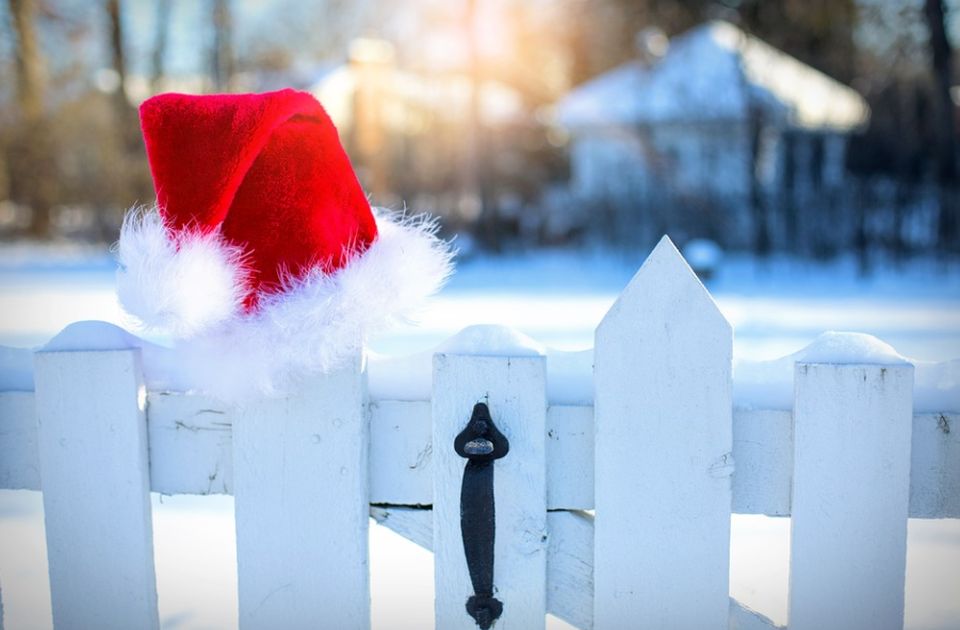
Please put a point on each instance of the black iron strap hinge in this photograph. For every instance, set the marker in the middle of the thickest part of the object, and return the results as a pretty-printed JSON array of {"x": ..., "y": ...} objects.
[{"x": 480, "y": 443}]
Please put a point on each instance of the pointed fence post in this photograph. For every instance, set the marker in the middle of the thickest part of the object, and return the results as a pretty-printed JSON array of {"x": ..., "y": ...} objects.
[
  {"x": 514, "y": 388},
  {"x": 663, "y": 412},
  {"x": 92, "y": 443},
  {"x": 851, "y": 483},
  {"x": 301, "y": 489}
]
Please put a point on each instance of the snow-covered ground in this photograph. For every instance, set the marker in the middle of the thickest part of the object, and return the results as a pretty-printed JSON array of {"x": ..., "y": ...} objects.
[{"x": 557, "y": 299}]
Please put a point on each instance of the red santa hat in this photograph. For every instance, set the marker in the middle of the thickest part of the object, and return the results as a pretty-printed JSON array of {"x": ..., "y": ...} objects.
[{"x": 263, "y": 257}]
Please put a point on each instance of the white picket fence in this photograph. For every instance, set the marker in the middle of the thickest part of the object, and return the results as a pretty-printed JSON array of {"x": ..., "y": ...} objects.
[{"x": 662, "y": 457}]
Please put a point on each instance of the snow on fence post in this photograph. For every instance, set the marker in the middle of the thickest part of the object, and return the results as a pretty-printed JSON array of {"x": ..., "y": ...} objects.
[
  {"x": 514, "y": 388},
  {"x": 851, "y": 482},
  {"x": 301, "y": 491},
  {"x": 92, "y": 444},
  {"x": 663, "y": 414}
]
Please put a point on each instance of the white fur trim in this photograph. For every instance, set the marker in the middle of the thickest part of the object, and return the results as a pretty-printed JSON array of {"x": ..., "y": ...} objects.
[
  {"x": 319, "y": 321},
  {"x": 182, "y": 285}
]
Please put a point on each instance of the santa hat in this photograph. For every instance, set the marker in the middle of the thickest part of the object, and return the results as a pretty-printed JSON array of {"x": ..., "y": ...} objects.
[{"x": 263, "y": 257}]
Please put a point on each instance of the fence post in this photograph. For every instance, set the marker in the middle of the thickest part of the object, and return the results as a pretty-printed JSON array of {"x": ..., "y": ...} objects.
[
  {"x": 514, "y": 388},
  {"x": 851, "y": 482},
  {"x": 92, "y": 443},
  {"x": 663, "y": 409},
  {"x": 301, "y": 490}
]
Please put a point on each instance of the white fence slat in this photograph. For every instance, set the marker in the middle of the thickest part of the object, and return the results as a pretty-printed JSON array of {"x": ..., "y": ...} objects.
[
  {"x": 663, "y": 414},
  {"x": 851, "y": 480},
  {"x": 92, "y": 439},
  {"x": 301, "y": 488},
  {"x": 514, "y": 388}
]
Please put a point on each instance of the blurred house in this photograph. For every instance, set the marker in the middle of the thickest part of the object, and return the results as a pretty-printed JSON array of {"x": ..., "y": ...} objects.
[{"x": 706, "y": 129}]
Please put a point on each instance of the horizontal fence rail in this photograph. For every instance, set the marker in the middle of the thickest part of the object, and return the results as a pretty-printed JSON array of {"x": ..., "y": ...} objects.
[{"x": 191, "y": 452}]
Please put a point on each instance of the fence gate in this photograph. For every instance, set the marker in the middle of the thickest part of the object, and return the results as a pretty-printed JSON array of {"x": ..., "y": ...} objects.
[{"x": 608, "y": 516}]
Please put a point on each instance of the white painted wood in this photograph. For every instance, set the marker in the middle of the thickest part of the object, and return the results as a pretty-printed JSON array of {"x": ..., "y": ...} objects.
[
  {"x": 401, "y": 470},
  {"x": 570, "y": 567},
  {"x": 569, "y": 563},
  {"x": 92, "y": 445},
  {"x": 935, "y": 466},
  {"x": 569, "y": 556},
  {"x": 663, "y": 412},
  {"x": 19, "y": 459},
  {"x": 195, "y": 435},
  {"x": 514, "y": 388},
  {"x": 763, "y": 452},
  {"x": 743, "y": 618},
  {"x": 414, "y": 524},
  {"x": 569, "y": 457},
  {"x": 302, "y": 515},
  {"x": 851, "y": 481},
  {"x": 182, "y": 461}
]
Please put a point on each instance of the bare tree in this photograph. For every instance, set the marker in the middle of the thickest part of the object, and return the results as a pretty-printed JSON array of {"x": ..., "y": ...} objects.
[
  {"x": 946, "y": 151},
  {"x": 222, "y": 64},
  {"x": 475, "y": 173},
  {"x": 32, "y": 176},
  {"x": 126, "y": 121},
  {"x": 758, "y": 209},
  {"x": 159, "y": 44}
]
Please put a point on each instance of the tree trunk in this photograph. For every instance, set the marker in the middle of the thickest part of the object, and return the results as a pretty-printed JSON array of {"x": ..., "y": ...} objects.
[
  {"x": 128, "y": 128},
  {"x": 761, "y": 228},
  {"x": 476, "y": 180},
  {"x": 32, "y": 177},
  {"x": 861, "y": 201},
  {"x": 941, "y": 54},
  {"x": 222, "y": 65},
  {"x": 160, "y": 45}
]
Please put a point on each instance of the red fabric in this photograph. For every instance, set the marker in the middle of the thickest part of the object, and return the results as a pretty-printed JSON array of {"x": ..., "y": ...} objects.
[{"x": 268, "y": 170}]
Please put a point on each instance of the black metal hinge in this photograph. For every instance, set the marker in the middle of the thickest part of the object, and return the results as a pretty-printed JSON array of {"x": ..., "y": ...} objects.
[{"x": 480, "y": 443}]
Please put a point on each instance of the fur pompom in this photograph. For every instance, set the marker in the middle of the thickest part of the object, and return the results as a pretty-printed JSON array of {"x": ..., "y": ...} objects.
[
  {"x": 183, "y": 284},
  {"x": 317, "y": 322}
]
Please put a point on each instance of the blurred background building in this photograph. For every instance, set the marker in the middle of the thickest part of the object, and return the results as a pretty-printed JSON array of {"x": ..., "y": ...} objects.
[
  {"x": 810, "y": 127},
  {"x": 714, "y": 132}
]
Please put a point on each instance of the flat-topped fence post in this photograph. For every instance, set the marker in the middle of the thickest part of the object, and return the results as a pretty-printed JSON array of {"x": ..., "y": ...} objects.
[
  {"x": 851, "y": 483},
  {"x": 514, "y": 389},
  {"x": 92, "y": 444},
  {"x": 663, "y": 423},
  {"x": 301, "y": 488}
]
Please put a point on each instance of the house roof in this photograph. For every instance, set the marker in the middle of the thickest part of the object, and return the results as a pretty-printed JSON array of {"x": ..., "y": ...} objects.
[{"x": 714, "y": 72}]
